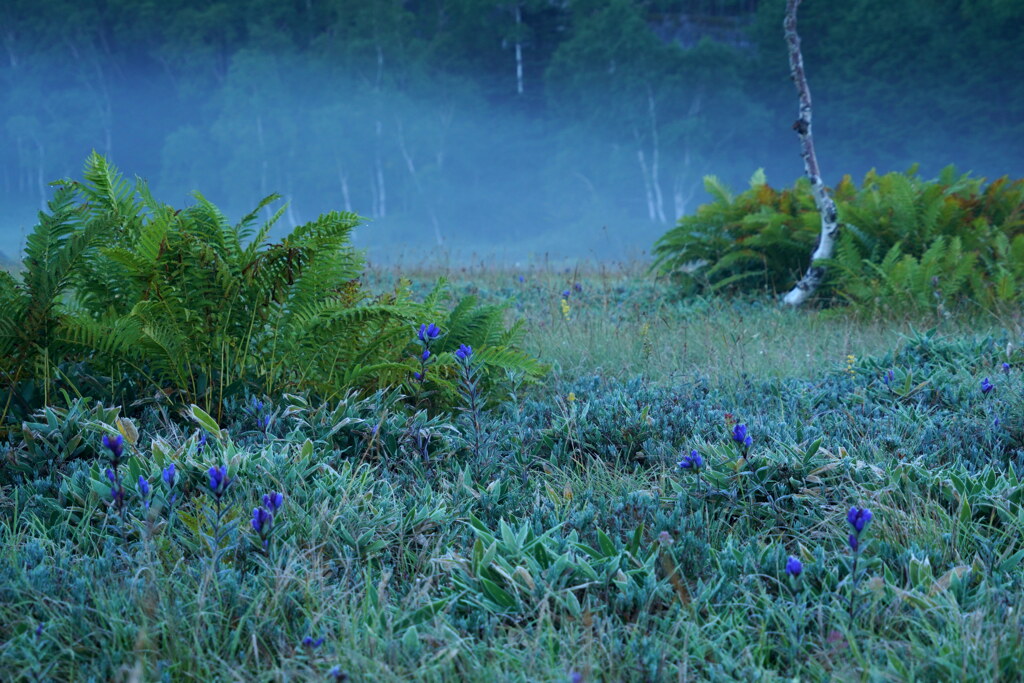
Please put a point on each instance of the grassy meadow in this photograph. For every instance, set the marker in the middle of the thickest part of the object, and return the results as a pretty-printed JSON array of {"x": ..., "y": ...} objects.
[{"x": 548, "y": 532}]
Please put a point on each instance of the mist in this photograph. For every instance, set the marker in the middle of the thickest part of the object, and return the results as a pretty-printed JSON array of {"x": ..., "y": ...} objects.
[{"x": 512, "y": 132}]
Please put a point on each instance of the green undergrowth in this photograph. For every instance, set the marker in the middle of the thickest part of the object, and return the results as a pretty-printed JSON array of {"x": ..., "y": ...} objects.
[
  {"x": 906, "y": 244},
  {"x": 556, "y": 534}
]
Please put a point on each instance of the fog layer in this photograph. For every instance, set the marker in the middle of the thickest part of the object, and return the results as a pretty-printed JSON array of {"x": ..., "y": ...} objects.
[{"x": 510, "y": 129}]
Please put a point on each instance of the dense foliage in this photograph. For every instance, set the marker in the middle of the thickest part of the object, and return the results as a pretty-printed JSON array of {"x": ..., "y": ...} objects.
[
  {"x": 906, "y": 244},
  {"x": 127, "y": 299},
  {"x": 840, "y": 524}
]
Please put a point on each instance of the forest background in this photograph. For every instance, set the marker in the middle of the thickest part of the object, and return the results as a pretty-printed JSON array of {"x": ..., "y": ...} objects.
[{"x": 509, "y": 128}]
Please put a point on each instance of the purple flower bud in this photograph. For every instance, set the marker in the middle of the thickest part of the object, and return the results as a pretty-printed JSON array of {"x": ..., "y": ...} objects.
[
  {"x": 273, "y": 500},
  {"x": 110, "y": 475},
  {"x": 986, "y": 386},
  {"x": 575, "y": 677},
  {"x": 740, "y": 436},
  {"x": 143, "y": 487},
  {"x": 858, "y": 518},
  {"x": 854, "y": 544},
  {"x": 418, "y": 376},
  {"x": 310, "y": 642},
  {"x": 888, "y": 378},
  {"x": 694, "y": 461},
  {"x": 426, "y": 355},
  {"x": 219, "y": 479},
  {"x": 565, "y": 294},
  {"x": 464, "y": 352},
  {"x": 169, "y": 474},
  {"x": 39, "y": 631},
  {"x": 1006, "y": 367},
  {"x": 261, "y": 521},
  {"x": 429, "y": 332},
  {"x": 794, "y": 566},
  {"x": 114, "y": 444}
]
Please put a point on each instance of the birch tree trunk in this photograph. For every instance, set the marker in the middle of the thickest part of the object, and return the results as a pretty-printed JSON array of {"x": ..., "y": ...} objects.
[
  {"x": 815, "y": 274},
  {"x": 519, "y": 52}
]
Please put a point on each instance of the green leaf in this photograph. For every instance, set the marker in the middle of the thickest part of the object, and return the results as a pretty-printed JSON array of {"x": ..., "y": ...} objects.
[{"x": 498, "y": 594}]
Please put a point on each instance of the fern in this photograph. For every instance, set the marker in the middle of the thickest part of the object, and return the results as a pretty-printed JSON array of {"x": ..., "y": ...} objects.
[
  {"x": 201, "y": 310},
  {"x": 906, "y": 242}
]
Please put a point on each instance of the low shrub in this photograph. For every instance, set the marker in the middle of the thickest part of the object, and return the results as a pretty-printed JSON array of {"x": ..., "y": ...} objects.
[
  {"x": 907, "y": 244},
  {"x": 124, "y": 298}
]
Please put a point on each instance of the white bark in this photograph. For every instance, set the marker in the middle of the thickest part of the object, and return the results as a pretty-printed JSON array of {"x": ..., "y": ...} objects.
[
  {"x": 519, "y": 52},
  {"x": 411, "y": 166},
  {"x": 40, "y": 176},
  {"x": 815, "y": 274},
  {"x": 343, "y": 179},
  {"x": 659, "y": 203},
  {"x": 382, "y": 195},
  {"x": 651, "y": 211}
]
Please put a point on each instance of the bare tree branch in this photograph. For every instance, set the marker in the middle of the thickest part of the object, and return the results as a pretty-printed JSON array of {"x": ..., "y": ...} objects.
[{"x": 815, "y": 274}]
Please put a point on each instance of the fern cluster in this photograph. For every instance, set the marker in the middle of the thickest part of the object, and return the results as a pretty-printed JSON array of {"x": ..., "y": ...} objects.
[
  {"x": 906, "y": 243},
  {"x": 127, "y": 298}
]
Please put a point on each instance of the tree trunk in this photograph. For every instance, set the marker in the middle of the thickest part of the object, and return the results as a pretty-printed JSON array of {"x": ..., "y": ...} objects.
[
  {"x": 519, "y": 52},
  {"x": 815, "y": 274},
  {"x": 659, "y": 202}
]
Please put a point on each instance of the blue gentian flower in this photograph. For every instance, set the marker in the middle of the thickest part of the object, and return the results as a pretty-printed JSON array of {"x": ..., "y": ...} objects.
[
  {"x": 740, "y": 436},
  {"x": 464, "y": 352},
  {"x": 115, "y": 445},
  {"x": 794, "y": 566},
  {"x": 201, "y": 443},
  {"x": 694, "y": 461},
  {"x": 143, "y": 486},
  {"x": 309, "y": 641},
  {"x": 428, "y": 333},
  {"x": 986, "y": 386},
  {"x": 39, "y": 630},
  {"x": 418, "y": 376},
  {"x": 261, "y": 521},
  {"x": 110, "y": 475},
  {"x": 1006, "y": 367},
  {"x": 889, "y": 377},
  {"x": 565, "y": 294},
  {"x": 858, "y": 518},
  {"x": 426, "y": 355},
  {"x": 168, "y": 475},
  {"x": 577, "y": 287},
  {"x": 273, "y": 501},
  {"x": 219, "y": 480},
  {"x": 257, "y": 405}
]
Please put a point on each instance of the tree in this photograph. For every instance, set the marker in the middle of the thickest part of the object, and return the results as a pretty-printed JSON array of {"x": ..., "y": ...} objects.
[{"x": 815, "y": 274}]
